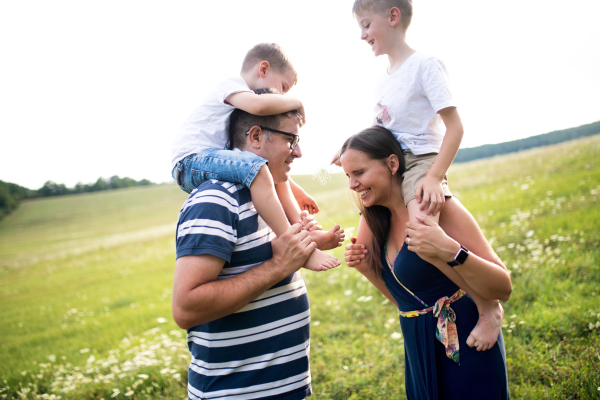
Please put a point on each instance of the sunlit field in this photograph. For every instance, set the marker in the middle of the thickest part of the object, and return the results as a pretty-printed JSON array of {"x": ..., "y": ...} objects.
[{"x": 85, "y": 288}]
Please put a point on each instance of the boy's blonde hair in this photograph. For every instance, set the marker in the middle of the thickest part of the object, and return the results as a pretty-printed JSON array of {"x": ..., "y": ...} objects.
[
  {"x": 383, "y": 7},
  {"x": 274, "y": 54}
]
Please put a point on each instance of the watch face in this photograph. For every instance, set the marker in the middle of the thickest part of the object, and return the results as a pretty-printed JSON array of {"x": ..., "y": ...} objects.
[{"x": 462, "y": 255}]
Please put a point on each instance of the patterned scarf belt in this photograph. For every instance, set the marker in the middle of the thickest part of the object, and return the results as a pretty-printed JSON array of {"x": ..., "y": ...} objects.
[{"x": 446, "y": 323}]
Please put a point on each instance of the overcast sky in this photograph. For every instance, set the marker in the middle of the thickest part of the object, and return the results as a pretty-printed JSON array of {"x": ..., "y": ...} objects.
[{"x": 90, "y": 89}]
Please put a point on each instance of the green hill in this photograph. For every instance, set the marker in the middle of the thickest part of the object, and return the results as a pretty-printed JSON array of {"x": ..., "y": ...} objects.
[
  {"x": 85, "y": 288},
  {"x": 490, "y": 150}
]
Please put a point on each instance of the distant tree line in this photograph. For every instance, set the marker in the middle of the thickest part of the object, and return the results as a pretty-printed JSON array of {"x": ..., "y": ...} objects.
[
  {"x": 490, "y": 150},
  {"x": 11, "y": 194}
]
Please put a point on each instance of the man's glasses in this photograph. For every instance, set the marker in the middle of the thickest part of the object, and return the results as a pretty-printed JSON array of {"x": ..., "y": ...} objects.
[{"x": 294, "y": 141}]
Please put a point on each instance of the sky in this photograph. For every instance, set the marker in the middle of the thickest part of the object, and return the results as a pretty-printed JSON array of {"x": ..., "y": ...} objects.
[{"x": 96, "y": 89}]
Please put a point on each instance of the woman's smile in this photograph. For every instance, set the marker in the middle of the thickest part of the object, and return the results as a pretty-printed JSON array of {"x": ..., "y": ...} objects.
[{"x": 363, "y": 193}]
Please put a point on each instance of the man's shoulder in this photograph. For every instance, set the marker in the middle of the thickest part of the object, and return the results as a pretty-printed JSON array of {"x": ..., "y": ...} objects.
[{"x": 220, "y": 193}]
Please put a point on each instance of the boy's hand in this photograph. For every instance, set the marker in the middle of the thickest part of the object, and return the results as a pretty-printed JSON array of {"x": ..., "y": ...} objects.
[
  {"x": 307, "y": 203},
  {"x": 336, "y": 158},
  {"x": 430, "y": 193},
  {"x": 302, "y": 114}
]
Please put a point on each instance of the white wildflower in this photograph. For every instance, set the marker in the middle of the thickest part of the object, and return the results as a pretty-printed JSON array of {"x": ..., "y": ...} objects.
[
  {"x": 321, "y": 175},
  {"x": 161, "y": 320},
  {"x": 396, "y": 335}
]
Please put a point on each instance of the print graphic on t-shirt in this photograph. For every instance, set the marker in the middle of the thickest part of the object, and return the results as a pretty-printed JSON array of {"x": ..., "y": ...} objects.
[{"x": 382, "y": 115}]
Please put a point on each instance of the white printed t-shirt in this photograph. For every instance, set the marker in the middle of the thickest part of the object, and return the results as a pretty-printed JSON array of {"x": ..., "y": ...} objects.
[
  {"x": 407, "y": 102},
  {"x": 208, "y": 125}
]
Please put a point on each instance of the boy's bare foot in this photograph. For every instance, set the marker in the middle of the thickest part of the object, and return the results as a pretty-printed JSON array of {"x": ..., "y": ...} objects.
[
  {"x": 327, "y": 240},
  {"x": 485, "y": 334},
  {"x": 319, "y": 261}
]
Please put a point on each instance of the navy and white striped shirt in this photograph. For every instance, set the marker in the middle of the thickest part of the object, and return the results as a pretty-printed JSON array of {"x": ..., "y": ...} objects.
[{"x": 260, "y": 351}]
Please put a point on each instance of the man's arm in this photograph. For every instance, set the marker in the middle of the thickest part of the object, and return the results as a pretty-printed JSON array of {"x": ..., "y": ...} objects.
[
  {"x": 198, "y": 297},
  {"x": 265, "y": 104}
]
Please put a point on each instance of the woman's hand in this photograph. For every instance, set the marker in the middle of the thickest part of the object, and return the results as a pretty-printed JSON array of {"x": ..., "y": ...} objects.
[
  {"x": 354, "y": 253},
  {"x": 428, "y": 239}
]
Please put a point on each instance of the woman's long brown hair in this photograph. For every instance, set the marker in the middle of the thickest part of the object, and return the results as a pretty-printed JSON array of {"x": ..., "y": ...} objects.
[{"x": 377, "y": 143}]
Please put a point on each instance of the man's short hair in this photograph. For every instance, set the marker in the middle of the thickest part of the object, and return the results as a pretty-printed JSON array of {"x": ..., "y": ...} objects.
[
  {"x": 274, "y": 54},
  {"x": 383, "y": 7},
  {"x": 241, "y": 121}
]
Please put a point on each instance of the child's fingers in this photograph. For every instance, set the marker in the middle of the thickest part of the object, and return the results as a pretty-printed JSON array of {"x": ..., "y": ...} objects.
[
  {"x": 432, "y": 205},
  {"x": 440, "y": 204},
  {"x": 425, "y": 201},
  {"x": 418, "y": 193}
]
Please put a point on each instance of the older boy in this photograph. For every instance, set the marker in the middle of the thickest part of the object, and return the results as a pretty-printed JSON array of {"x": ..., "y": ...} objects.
[{"x": 414, "y": 102}]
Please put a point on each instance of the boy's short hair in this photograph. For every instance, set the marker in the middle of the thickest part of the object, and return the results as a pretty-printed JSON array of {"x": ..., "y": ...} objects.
[
  {"x": 384, "y": 6},
  {"x": 274, "y": 54},
  {"x": 241, "y": 121}
]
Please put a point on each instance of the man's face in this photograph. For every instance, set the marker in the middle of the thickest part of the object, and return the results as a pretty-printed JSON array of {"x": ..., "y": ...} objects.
[{"x": 277, "y": 151}]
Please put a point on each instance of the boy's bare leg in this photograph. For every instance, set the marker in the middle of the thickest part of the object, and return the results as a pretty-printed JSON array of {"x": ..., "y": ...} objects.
[
  {"x": 414, "y": 209},
  {"x": 326, "y": 240},
  {"x": 485, "y": 334},
  {"x": 268, "y": 206},
  {"x": 266, "y": 202}
]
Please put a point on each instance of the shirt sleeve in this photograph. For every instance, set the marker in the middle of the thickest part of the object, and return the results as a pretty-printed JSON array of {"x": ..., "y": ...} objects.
[
  {"x": 208, "y": 224},
  {"x": 231, "y": 86},
  {"x": 436, "y": 85}
]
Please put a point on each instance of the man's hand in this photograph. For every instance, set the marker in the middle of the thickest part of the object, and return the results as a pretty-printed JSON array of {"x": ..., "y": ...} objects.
[
  {"x": 430, "y": 193},
  {"x": 308, "y": 222},
  {"x": 292, "y": 249}
]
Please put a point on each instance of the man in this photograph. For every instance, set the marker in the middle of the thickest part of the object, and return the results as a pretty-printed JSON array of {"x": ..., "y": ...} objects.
[{"x": 237, "y": 288}]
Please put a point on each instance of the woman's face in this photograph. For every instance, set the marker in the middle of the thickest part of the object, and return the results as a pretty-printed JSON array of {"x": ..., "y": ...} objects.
[{"x": 367, "y": 177}]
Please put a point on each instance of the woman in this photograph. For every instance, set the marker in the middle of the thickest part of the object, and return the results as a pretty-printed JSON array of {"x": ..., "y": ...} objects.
[{"x": 409, "y": 264}]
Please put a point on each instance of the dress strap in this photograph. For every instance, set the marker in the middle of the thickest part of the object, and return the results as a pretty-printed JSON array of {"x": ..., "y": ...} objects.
[{"x": 391, "y": 267}]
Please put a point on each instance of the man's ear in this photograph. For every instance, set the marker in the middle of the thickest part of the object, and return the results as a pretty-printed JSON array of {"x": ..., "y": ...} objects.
[
  {"x": 394, "y": 16},
  {"x": 263, "y": 68},
  {"x": 256, "y": 136}
]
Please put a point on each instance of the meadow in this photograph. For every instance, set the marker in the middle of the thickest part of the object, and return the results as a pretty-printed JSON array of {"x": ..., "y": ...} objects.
[{"x": 85, "y": 288}]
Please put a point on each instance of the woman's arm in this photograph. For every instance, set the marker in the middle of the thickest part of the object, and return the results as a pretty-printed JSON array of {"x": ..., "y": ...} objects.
[
  {"x": 356, "y": 255},
  {"x": 482, "y": 271}
]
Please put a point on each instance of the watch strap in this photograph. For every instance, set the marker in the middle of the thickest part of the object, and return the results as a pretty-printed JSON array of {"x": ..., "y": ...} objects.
[{"x": 460, "y": 257}]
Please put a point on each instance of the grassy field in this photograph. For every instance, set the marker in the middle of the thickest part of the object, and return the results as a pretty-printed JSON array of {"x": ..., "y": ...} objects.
[{"x": 85, "y": 288}]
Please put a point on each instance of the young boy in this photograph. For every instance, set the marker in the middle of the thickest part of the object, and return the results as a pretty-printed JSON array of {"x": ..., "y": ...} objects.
[
  {"x": 199, "y": 148},
  {"x": 414, "y": 102}
]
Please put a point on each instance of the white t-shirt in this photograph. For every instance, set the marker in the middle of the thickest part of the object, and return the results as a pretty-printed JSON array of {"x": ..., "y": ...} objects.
[
  {"x": 407, "y": 102},
  {"x": 208, "y": 125}
]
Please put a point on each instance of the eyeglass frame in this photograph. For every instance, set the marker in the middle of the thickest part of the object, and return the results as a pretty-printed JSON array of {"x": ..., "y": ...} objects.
[{"x": 294, "y": 135}]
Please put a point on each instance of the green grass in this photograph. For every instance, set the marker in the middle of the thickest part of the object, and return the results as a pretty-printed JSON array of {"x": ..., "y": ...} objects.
[{"x": 85, "y": 288}]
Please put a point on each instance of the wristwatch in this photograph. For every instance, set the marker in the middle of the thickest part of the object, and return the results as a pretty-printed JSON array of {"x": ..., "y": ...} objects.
[{"x": 460, "y": 257}]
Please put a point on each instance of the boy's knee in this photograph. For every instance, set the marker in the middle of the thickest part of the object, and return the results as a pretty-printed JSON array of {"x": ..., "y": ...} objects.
[{"x": 263, "y": 176}]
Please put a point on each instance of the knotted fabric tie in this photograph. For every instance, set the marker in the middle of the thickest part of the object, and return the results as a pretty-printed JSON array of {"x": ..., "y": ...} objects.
[{"x": 446, "y": 324}]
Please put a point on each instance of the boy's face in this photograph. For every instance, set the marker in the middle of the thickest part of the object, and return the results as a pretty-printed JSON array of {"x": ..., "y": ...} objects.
[
  {"x": 376, "y": 30},
  {"x": 282, "y": 82}
]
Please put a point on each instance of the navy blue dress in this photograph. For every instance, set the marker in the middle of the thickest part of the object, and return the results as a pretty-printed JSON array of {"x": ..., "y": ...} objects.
[{"x": 429, "y": 373}]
